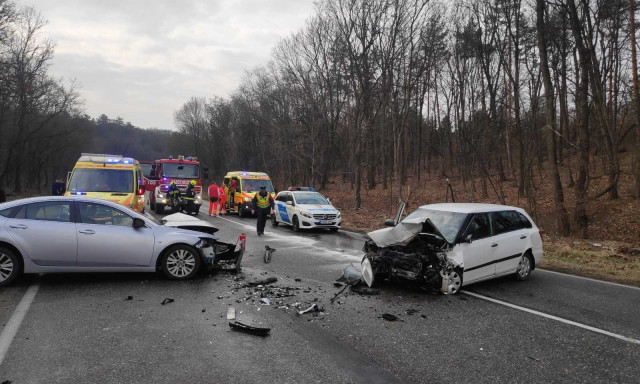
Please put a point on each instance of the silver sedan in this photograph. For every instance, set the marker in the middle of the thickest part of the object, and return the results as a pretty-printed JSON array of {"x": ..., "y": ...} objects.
[{"x": 76, "y": 234}]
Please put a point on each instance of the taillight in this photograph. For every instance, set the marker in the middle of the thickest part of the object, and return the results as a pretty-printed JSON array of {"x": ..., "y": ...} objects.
[{"x": 540, "y": 232}]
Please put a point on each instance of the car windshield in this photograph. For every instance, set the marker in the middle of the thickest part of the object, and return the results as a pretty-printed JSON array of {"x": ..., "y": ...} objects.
[
  {"x": 448, "y": 223},
  {"x": 310, "y": 198},
  {"x": 101, "y": 180},
  {"x": 253, "y": 185},
  {"x": 180, "y": 171},
  {"x": 146, "y": 169}
]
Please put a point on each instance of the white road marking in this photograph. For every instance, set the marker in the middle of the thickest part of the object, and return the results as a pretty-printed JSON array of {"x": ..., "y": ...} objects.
[
  {"x": 570, "y": 322},
  {"x": 11, "y": 328},
  {"x": 589, "y": 279}
]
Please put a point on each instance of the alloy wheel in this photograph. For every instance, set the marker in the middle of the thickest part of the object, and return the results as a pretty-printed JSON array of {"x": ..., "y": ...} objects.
[
  {"x": 6, "y": 266},
  {"x": 181, "y": 262}
]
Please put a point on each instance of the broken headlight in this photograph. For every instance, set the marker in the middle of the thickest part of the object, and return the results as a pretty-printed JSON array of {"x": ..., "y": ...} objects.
[{"x": 204, "y": 243}]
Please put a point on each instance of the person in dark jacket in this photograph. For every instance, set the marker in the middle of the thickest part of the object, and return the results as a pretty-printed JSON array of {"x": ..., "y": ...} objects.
[
  {"x": 190, "y": 197},
  {"x": 58, "y": 187},
  {"x": 262, "y": 205}
]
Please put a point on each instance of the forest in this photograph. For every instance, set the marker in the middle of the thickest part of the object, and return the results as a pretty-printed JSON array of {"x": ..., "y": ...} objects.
[{"x": 538, "y": 96}]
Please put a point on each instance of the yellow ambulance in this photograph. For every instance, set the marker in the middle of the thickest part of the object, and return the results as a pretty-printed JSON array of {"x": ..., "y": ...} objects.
[
  {"x": 108, "y": 177},
  {"x": 247, "y": 184}
]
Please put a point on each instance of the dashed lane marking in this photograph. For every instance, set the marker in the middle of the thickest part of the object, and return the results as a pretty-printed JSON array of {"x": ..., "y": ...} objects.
[
  {"x": 556, "y": 318},
  {"x": 11, "y": 328}
]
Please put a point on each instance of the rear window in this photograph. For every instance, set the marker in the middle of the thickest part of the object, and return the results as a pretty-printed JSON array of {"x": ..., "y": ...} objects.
[
  {"x": 6, "y": 212},
  {"x": 505, "y": 221}
]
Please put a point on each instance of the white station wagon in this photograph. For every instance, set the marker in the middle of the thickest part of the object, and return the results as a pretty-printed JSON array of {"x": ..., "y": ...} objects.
[{"x": 447, "y": 245}]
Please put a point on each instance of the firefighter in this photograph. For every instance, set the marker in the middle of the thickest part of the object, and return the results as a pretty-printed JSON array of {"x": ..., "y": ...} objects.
[
  {"x": 190, "y": 197},
  {"x": 214, "y": 196},
  {"x": 262, "y": 204},
  {"x": 173, "y": 196},
  {"x": 223, "y": 199}
]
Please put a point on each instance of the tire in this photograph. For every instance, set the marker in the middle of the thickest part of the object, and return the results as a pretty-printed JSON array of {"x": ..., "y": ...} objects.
[
  {"x": 274, "y": 222},
  {"x": 197, "y": 211},
  {"x": 524, "y": 267},
  {"x": 181, "y": 262},
  {"x": 455, "y": 281},
  {"x": 295, "y": 224},
  {"x": 159, "y": 209},
  {"x": 10, "y": 266}
]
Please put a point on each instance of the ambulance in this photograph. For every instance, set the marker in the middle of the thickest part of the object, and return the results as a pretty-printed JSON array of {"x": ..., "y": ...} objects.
[
  {"x": 247, "y": 185},
  {"x": 108, "y": 177}
]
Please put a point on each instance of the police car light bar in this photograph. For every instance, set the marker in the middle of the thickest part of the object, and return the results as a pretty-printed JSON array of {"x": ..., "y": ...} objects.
[{"x": 301, "y": 189}]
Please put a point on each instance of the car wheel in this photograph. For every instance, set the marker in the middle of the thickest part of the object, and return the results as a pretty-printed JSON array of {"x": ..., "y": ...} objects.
[
  {"x": 524, "y": 267},
  {"x": 9, "y": 266},
  {"x": 197, "y": 210},
  {"x": 181, "y": 262},
  {"x": 455, "y": 281},
  {"x": 368, "y": 275},
  {"x": 274, "y": 222},
  {"x": 295, "y": 224},
  {"x": 159, "y": 209}
]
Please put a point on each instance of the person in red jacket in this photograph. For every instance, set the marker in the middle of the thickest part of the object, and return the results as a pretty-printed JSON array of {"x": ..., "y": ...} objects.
[
  {"x": 223, "y": 199},
  {"x": 214, "y": 194}
]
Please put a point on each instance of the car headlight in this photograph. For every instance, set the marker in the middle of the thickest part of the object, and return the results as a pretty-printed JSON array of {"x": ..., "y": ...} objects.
[
  {"x": 247, "y": 199},
  {"x": 203, "y": 243},
  {"x": 198, "y": 197},
  {"x": 338, "y": 215},
  {"x": 306, "y": 214}
]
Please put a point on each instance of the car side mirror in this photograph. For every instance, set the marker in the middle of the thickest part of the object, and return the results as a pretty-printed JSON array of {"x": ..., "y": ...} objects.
[
  {"x": 329, "y": 200},
  {"x": 138, "y": 223},
  {"x": 390, "y": 223},
  {"x": 469, "y": 238}
]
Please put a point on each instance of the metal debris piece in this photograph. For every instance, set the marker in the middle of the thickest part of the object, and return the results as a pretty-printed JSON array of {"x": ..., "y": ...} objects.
[
  {"x": 265, "y": 301},
  {"x": 313, "y": 307},
  {"x": 167, "y": 301},
  {"x": 266, "y": 281},
  {"x": 364, "y": 290},
  {"x": 389, "y": 317},
  {"x": 129, "y": 298},
  {"x": 238, "y": 326},
  {"x": 268, "y": 251},
  {"x": 298, "y": 280},
  {"x": 231, "y": 313}
]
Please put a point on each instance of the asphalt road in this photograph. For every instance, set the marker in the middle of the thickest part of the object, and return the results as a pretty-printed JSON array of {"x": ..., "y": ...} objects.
[{"x": 551, "y": 328}]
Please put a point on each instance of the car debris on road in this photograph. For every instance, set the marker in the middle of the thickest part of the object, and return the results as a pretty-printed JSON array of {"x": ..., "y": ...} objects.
[
  {"x": 258, "y": 331},
  {"x": 167, "y": 301}
]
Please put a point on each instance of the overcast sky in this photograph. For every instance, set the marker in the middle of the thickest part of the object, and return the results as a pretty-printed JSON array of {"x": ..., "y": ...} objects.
[{"x": 142, "y": 59}]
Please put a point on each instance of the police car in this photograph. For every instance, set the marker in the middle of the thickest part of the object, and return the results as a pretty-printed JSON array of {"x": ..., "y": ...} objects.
[{"x": 304, "y": 208}]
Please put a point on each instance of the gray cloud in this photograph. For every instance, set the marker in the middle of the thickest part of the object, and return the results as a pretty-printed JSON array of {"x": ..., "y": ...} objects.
[{"x": 142, "y": 59}]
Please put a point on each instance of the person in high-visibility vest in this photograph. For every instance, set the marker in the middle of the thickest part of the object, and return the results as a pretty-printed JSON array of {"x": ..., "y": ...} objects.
[
  {"x": 190, "y": 197},
  {"x": 262, "y": 205},
  {"x": 214, "y": 196},
  {"x": 223, "y": 199}
]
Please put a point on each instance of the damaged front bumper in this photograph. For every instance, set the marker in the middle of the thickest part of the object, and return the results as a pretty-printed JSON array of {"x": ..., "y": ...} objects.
[
  {"x": 225, "y": 256},
  {"x": 418, "y": 261}
]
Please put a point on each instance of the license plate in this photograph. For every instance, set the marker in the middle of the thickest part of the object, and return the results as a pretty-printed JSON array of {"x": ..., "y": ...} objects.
[{"x": 325, "y": 221}]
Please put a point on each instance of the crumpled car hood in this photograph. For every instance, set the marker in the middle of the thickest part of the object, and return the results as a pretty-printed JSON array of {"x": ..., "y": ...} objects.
[
  {"x": 182, "y": 221},
  {"x": 402, "y": 233}
]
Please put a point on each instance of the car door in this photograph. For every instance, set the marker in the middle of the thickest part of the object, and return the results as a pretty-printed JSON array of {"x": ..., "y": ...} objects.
[
  {"x": 511, "y": 239},
  {"x": 281, "y": 208},
  {"x": 291, "y": 206},
  {"x": 478, "y": 252},
  {"x": 106, "y": 238},
  {"x": 45, "y": 232}
]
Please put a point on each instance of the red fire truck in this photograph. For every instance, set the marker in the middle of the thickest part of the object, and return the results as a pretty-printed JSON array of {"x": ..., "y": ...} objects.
[{"x": 181, "y": 171}]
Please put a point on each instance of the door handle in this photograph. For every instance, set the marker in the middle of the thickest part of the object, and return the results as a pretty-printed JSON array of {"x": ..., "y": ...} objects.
[
  {"x": 87, "y": 232},
  {"x": 523, "y": 237},
  {"x": 494, "y": 245},
  {"x": 19, "y": 226}
]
